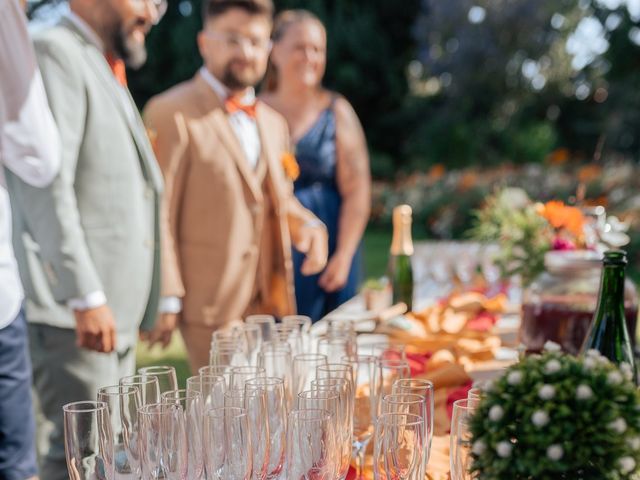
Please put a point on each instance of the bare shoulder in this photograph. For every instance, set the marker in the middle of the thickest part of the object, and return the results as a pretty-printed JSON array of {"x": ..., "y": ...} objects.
[{"x": 345, "y": 114}]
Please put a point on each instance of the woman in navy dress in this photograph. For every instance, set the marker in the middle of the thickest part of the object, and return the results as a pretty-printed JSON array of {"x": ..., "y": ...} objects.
[{"x": 331, "y": 151}]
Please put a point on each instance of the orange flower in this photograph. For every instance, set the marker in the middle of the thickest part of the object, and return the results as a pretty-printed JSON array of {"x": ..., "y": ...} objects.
[
  {"x": 559, "y": 156},
  {"x": 562, "y": 216},
  {"x": 436, "y": 172},
  {"x": 290, "y": 165}
]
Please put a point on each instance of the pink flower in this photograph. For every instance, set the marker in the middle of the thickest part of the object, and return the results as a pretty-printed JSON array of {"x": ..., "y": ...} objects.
[{"x": 563, "y": 244}]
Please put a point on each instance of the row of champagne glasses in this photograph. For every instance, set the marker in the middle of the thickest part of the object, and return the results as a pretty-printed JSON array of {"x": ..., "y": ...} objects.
[{"x": 158, "y": 431}]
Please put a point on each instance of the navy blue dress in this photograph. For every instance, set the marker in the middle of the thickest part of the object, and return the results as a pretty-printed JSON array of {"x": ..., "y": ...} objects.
[{"x": 317, "y": 190}]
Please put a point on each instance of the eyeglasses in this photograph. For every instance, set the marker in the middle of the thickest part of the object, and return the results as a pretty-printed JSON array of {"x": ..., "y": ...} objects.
[
  {"x": 237, "y": 41},
  {"x": 160, "y": 7}
]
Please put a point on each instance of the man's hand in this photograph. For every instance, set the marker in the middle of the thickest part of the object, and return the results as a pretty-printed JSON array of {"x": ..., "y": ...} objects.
[
  {"x": 162, "y": 331},
  {"x": 336, "y": 274},
  {"x": 96, "y": 329},
  {"x": 314, "y": 243}
]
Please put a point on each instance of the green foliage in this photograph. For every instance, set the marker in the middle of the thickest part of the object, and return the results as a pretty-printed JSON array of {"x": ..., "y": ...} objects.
[
  {"x": 511, "y": 220},
  {"x": 554, "y": 417}
]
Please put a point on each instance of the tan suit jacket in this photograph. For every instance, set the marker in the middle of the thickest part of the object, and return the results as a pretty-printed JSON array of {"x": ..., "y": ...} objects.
[{"x": 216, "y": 208}]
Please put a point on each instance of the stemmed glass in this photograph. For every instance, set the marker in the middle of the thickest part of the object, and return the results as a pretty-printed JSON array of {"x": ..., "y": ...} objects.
[
  {"x": 277, "y": 363},
  {"x": 460, "y": 451},
  {"x": 88, "y": 441},
  {"x": 147, "y": 385},
  {"x": 386, "y": 373},
  {"x": 273, "y": 388},
  {"x": 123, "y": 403},
  {"x": 311, "y": 450},
  {"x": 191, "y": 405},
  {"x": 228, "y": 444},
  {"x": 167, "y": 379},
  {"x": 399, "y": 447},
  {"x": 265, "y": 322},
  {"x": 425, "y": 389},
  {"x": 163, "y": 442},
  {"x": 365, "y": 405},
  {"x": 210, "y": 387},
  {"x": 239, "y": 375},
  {"x": 223, "y": 371},
  {"x": 304, "y": 371}
]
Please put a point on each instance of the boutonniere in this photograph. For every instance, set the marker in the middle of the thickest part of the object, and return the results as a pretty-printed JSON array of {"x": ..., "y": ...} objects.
[{"x": 290, "y": 165}]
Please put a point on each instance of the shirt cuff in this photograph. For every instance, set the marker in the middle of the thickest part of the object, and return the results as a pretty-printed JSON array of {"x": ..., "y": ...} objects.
[
  {"x": 170, "y": 305},
  {"x": 92, "y": 300}
]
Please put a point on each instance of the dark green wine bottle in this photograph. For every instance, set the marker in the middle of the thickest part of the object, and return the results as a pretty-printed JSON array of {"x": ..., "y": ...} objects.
[
  {"x": 608, "y": 332},
  {"x": 400, "y": 271}
]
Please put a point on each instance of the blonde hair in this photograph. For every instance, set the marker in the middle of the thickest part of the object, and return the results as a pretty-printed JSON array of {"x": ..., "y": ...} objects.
[{"x": 281, "y": 24}]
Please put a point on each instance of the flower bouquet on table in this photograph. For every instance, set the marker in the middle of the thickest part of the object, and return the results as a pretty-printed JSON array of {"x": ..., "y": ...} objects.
[
  {"x": 554, "y": 416},
  {"x": 526, "y": 230}
]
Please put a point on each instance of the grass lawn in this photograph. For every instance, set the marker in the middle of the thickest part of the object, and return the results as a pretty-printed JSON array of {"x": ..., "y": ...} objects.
[{"x": 376, "y": 247}]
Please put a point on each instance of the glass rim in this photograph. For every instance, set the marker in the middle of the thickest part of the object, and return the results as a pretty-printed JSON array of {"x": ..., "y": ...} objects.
[
  {"x": 392, "y": 346},
  {"x": 85, "y": 406},
  {"x": 116, "y": 390},
  {"x": 392, "y": 362},
  {"x": 417, "y": 398},
  {"x": 332, "y": 367},
  {"x": 463, "y": 403},
  {"x": 143, "y": 377},
  {"x": 329, "y": 382},
  {"x": 247, "y": 369},
  {"x": 180, "y": 394},
  {"x": 264, "y": 381},
  {"x": 330, "y": 394},
  {"x": 413, "y": 419},
  {"x": 294, "y": 319},
  {"x": 359, "y": 358},
  {"x": 159, "y": 408},
  {"x": 418, "y": 381},
  {"x": 310, "y": 357},
  {"x": 156, "y": 369},
  {"x": 259, "y": 318},
  {"x": 205, "y": 368}
]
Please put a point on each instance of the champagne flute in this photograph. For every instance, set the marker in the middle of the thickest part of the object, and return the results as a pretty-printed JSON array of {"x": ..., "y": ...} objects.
[
  {"x": 253, "y": 339},
  {"x": 123, "y": 403},
  {"x": 228, "y": 444},
  {"x": 365, "y": 405},
  {"x": 425, "y": 389},
  {"x": 311, "y": 450},
  {"x": 163, "y": 442},
  {"x": 273, "y": 388},
  {"x": 148, "y": 387},
  {"x": 336, "y": 347},
  {"x": 223, "y": 371},
  {"x": 167, "y": 379},
  {"x": 460, "y": 451},
  {"x": 88, "y": 441},
  {"x": 387, "y": 351},
  {"x": 277, "y": 363},
  {"x": 210, "y": 387},
  {"x": 386, "y": 373},
  {"x": 265, "y": 322},
  {"x": 303, "y": 324},
  {"x": 399, "y": 447},
  {"x": 304, "y": 370},
  {"x": 191, "y": 405},
  {"x": 239, "y": 375}
]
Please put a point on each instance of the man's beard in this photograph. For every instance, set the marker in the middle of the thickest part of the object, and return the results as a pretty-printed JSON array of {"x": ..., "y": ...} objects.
[
  {"x": 134, "y": 54},
  {"x": 236, "y": 82}
]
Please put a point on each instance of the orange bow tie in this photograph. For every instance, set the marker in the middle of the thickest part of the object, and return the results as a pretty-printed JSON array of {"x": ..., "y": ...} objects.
[
  {"x": 118, "y": 68},
  {"x": 233, "y": 104}
]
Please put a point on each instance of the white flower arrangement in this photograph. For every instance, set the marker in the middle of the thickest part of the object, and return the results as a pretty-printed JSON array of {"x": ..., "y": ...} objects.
[{"x": 558, "y": 417}]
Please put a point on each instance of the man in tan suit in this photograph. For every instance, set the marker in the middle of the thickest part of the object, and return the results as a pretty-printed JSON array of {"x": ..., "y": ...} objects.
[{"x": 232, "y": 213}]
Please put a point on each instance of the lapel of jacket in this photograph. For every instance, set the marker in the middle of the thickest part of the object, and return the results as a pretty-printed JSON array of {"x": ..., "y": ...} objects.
[
  {"x": 120, "y": 96},
  {"x": 212, "y": 107},
  {"x": 271, "y": 149}
]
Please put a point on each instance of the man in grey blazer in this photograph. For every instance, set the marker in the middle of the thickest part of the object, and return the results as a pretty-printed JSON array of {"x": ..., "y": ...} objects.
[{"x": 88, "y": 245}]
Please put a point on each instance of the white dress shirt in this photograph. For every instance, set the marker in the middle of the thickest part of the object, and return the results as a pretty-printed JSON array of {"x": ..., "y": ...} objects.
[
  {"x": 29, "y": 142},
  {"x": 243, "y": 125}
]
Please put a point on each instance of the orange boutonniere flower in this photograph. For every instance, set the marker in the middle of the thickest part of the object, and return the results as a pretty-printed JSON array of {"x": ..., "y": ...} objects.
[
  {"x": 290, "y": 165},
  {"x": 562, "y": 216}
]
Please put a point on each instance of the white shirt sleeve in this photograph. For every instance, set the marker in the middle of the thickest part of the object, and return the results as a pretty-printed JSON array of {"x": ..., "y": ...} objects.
[{"x": 29, "y": 141}]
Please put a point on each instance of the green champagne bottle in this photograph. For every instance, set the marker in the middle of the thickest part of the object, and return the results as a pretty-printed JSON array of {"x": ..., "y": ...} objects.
[
  {"x": 608, "y": 332},
  {"x": 400, "y": 271}
]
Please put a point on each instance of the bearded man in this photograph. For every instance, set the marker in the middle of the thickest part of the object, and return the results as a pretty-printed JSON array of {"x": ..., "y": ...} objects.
[
  {"x": 88, "y": 245},
  {"x": 232, "y": 214}
]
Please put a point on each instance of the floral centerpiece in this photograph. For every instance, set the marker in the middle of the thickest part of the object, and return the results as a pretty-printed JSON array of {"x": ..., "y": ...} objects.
[
  {"x": 526, "y": 230},
  {"x": 554, "y": 416}
]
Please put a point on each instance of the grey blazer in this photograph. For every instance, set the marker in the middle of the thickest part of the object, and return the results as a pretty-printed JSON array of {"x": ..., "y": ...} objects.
[{"x": 96, "y": 228}]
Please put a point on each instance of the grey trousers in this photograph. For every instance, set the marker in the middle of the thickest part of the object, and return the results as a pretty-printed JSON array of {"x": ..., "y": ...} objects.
[{"x": 64, "y": 373}]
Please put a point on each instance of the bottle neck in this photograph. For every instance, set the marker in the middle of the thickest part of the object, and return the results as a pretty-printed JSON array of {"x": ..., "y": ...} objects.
[
  {"x": 612, "y": 287},
  {"x": 402, "y": 243}
]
